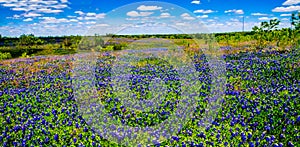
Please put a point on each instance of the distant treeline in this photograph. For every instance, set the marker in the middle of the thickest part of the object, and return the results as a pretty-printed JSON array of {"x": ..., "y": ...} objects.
[
  {"x": 14, "y": 41},
  {"x": 263, "y": 36}
]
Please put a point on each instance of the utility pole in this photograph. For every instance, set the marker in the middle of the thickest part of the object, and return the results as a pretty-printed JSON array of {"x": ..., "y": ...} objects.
[{"x": 243, "y": 23}]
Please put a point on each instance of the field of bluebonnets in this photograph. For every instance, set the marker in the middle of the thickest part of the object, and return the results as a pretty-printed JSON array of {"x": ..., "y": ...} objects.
[{"x": 260, "y": 106}]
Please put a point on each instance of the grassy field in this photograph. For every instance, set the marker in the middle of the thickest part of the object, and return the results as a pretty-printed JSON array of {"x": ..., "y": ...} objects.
[{"x": 38, "y": 101}]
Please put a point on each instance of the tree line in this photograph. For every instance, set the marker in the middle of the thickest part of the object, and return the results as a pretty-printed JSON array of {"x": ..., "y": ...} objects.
[{"x": 265, "y": 35}]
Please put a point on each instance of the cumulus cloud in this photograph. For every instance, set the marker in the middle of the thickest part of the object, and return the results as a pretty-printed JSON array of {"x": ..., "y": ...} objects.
[
  {"x": 204, "y": 11},
  {"x": 148, "y": 8},
  {"x": 291, "y": 2},
  {"x": 88, "y": 15},
  {"x": 47, "y": 10},
  {"x": 285, "y": 15},
  {"x": 187, "y": 16},
  {"x": 48, "y": 20},
  {"x": 197, "y": 2},
  {"x": 79, "y": 12},
  {"x": 64, "y": 1},
  {"x": 165, "y": 15},
  {"x": 240, "y": 11},
  {"x": 35, "y": 5},
  {"x": 203, "y": 16},
  {"x": 259, "y": 14},
  {"x": 31, "y": 14},
  {"x": 137, "y": 14},
  {"x": 20, "y": 9},
  {"x": 28, "y": 19},
  {"x": 90, "y": 22},
  {"x": 286, "y": 9},
  {"x": 133, "y": 18},
  {"x": 266, "y": 18}
]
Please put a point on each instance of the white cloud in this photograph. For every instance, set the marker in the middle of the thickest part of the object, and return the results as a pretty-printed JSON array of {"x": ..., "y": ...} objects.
[
  {"x": 165, "y": 10},
  {"x": 20, "y": 9},
  {"x": 235, "y": 11},
  {"x": 259, "y": 14},
  {"x": 165, "y": 15},
  {"x": 42, "y": 6},
  {"x": 90, "y": 14},
  {"x": 70, "y": 16},
  {"x": 64, "y": 1},
  {"x": 267, "y": 18},
  {"x": 197, "y": 2},
  {"x": 210, "y": 20},
  {"x": 291, "y": 2},
  {"x": 61, "y": 6},
  {"x": 47, "y": 10},
  {"x": 133, "y": 13},
  {"x": 79, "y": 12},
  {"x": 16, "y": 16},
  {"x": 137, "y": 14},
  {"x": 28, "y": 19},
  {"x": 7, "y": 1},
  {"x": 203, "y": 16},
  {"x": 204, "y": 11},
  {"x": 187, "y": 16},
  {"x": 133, "y": 18},
  {"x": 100, "y": 15},
  {"x": 89, "y": 18},
  {"x": 263, "y": 18},
  {"x": 13, "y": 4},
  {"x": 286, "y": 9},
  {"x": 73, "y": 20},
  {"x": 90, "y": 22},
  {"x": 148, "y": 8},
  {"x": 285, "y": 14},
  {"x": 31, "y": 14},
  {"x": 49, "y": 2},
  {"x": 48, "y": 20}
]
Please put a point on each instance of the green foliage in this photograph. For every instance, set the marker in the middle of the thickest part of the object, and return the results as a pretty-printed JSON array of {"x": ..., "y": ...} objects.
[
  {"x": 108, "y": 48},
  {"x": 264, "y": 33},
  {"x": 91, "y": 43},
  {"x": 24, "y": 55},
  {"x": 4, "y": 56},
  {"x": 295, "y": 21},
  {"x": 29, "y": 40}
]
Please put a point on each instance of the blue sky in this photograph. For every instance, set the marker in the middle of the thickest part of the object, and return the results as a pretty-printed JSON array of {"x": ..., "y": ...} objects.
[{"x": 72, "y": 17}]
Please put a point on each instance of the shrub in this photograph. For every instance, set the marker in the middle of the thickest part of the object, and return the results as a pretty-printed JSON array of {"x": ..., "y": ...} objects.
[{"x": 4, "y": 56}]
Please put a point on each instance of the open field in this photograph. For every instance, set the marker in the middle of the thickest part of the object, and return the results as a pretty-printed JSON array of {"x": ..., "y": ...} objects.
[
  {"x": 222, "y": 89},
  {"x": 260, "y": 106}
]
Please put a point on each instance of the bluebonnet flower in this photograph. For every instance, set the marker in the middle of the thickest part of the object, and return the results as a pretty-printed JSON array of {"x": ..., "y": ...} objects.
[{"x": 56, "y": 137}]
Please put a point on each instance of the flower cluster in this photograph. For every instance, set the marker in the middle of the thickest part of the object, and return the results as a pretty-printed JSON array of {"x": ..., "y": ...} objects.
[{"x": 38, "y": 105}]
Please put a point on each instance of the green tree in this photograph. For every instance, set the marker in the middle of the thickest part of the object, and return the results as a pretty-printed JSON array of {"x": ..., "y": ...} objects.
[
  {"x": 29, "y": 40},
  {"x": 265, "y": 32},
  {"x": 295, "y": 21}
]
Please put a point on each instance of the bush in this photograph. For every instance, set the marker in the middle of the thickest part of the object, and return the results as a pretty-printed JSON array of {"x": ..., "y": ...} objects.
[
  {"x": 4, "y": 56},
  {"x": 24, "y": 55},
  {"x": 108, "y": 48}
]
